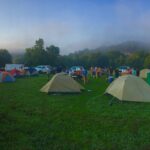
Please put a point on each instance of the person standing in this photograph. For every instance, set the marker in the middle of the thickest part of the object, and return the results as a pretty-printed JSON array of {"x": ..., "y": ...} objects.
[
  {"x": 110, "y": 71},
  {"x": 133, "y": 72},
  {"x": 137, "y": 72},
  {"x": 96, "y": 70},
  {"x": 116, "y": 73},
  {"x": 48, "y": 74},
  {"x": 85, "y": 75},
  {"x": 91, "y": 71}
]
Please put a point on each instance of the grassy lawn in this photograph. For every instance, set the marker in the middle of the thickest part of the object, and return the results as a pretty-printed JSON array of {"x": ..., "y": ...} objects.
[{"x": 31, "y": 120}]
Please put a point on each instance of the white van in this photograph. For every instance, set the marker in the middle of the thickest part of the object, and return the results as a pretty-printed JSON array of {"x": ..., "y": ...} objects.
[{"x": 9, "y": 67}]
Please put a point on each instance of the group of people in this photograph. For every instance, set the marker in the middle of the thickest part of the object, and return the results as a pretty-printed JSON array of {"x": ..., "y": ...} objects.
[
  {"x": 82, "y": 73},
  {"x": 79, "y": 74},
  {"x": 96, "y": 72}
]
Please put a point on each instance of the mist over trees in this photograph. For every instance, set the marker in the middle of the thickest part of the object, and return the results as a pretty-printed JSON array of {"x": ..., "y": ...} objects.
[
  {"x": 131, "y": 54},
  {"x": 106, "y": 59}
]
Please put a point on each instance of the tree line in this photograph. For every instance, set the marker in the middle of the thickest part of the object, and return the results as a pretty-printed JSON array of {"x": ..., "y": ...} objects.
[{"x": 50, "y": 55}]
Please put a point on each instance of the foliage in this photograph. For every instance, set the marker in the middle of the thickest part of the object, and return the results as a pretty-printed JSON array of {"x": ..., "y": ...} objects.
[
  {"x": 53, "y": 53},
  {"x": 37, "y": 55},
  {"x": 105, "y": 59},
  {"x": 5, "y": 57},
  {"x": 147, "y": 61},
  {"x": 136, "y": 59},
  {"x": 133, "y": 54},
  {"x": 18, "y": 59}
]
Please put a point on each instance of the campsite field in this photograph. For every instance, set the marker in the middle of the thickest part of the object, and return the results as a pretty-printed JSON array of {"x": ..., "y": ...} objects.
[{"x": 30, "y": 120}]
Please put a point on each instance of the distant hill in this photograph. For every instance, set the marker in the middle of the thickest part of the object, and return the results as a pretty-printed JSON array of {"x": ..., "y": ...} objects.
[{"x": 126, "y": 47}]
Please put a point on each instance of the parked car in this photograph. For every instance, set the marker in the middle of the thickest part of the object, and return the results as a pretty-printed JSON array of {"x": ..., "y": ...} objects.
[
  {"x": 124, "y": 68},
  {"x": 43, "y": 68}
]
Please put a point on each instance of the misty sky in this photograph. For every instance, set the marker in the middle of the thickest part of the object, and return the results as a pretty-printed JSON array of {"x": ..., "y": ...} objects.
[{"x": 72, "y": 24}]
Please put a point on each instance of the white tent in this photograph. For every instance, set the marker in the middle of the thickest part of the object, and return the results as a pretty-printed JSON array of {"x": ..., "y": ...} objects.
[
  {"x": 143, "y": 73},
  {"x": 129, "y": 88},
  {"x": 62, "y": 83}
]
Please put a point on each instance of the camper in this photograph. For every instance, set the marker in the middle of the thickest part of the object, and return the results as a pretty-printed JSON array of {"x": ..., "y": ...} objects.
[{"x": 9, "y": 67}]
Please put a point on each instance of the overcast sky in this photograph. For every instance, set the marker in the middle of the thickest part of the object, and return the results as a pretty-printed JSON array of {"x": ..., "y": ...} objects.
[{"x": 72, "y": 24}]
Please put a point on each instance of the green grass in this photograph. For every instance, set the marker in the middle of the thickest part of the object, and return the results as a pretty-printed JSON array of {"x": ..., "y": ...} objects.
[{"x": 31, "y": 120}]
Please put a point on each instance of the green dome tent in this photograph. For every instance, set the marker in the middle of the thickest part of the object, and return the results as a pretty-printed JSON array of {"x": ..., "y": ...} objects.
[{"x": 129, "y": 88}]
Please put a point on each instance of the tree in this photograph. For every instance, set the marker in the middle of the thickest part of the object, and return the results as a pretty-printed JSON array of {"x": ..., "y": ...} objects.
[
  {"x": 136, "y": 59},
  {"x": 147, "y": 62},
  {"x": 19, "y": 59},
  {"x": 53, "y": 53},
  {"x": 115, "y": 58},
  {"x": 39, "y": 44},
  {"x": 36, "y": 55},
  {"x": 5, "y": 57}
]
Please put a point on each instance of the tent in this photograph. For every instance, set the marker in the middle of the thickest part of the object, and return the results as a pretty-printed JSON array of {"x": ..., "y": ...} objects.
[
  {"x": 143, "y": 73},
  {"x": 62, "y": 83},
  {"x": 15, "y": 73},
  {"x": 6, "y": 77},
  {"x": 129, "y": 88}
]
